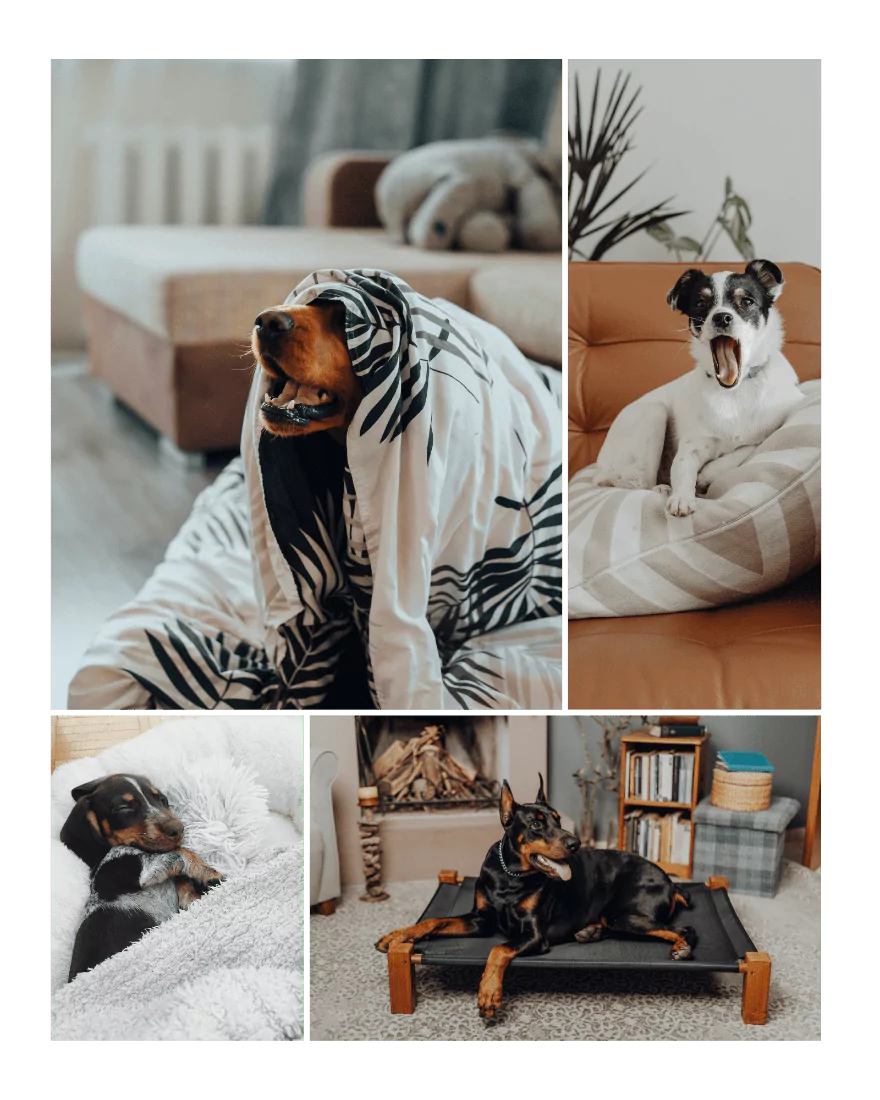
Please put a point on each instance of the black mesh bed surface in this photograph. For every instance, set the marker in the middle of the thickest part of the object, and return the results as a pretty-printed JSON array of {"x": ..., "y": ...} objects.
[{"x": 721, "y": 939}]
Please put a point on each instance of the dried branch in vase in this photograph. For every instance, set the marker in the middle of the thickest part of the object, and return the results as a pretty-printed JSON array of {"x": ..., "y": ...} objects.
[{"x": 604, "y": 776}]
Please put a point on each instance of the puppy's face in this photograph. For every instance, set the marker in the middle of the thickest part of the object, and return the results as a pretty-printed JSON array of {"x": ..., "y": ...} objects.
[
  {"x": 129, "y": 810},
  {"x": 310, "y": 383},
  {"x": 536, "y": 835},
  {"x": 728, "y": 312}
]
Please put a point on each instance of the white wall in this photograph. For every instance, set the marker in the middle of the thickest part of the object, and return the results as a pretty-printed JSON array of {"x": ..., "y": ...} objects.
[
  {"x": 88, "y": 93},
  {"x": 756, "y": 121}
]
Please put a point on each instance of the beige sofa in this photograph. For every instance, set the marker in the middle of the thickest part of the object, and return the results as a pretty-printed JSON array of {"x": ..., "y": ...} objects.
[{"x": 169, "y": 309}]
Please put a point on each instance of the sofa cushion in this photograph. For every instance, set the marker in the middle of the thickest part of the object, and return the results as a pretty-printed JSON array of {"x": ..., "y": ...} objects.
[
  {"x": 525, "y": 302},
  {"x": 205, "y": 284},
  {"x": 764, "y": 653},
  {"x": 756, "y": 529},
  {"x": 624, "y": 339}
]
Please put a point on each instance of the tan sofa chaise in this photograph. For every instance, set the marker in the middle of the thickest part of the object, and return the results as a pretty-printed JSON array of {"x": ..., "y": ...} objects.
[{"x": 169, "y": 309}]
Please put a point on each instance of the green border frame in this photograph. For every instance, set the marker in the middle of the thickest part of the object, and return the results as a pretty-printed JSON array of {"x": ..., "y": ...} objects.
[{"x": 843, "y": 33}]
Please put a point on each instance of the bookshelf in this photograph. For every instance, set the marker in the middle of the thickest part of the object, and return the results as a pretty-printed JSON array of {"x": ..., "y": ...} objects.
[{"x": 640, "y": 741}]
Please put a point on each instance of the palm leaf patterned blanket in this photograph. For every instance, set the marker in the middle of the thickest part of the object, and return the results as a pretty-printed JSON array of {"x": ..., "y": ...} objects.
[{"x": 419, "y": 567}]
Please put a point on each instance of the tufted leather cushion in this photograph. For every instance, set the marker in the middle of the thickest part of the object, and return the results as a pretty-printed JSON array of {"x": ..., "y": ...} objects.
[
  {"x": 623, "y": 339},
  {"x": 763, "y": 654}
]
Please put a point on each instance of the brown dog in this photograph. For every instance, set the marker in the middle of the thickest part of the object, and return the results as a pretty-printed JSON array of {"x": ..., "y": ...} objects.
[{"x": 311, "y": 386}]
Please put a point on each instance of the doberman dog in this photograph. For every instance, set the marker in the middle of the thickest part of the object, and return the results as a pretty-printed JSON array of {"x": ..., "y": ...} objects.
[
  {"x": 122, "y": 827},
  {"x": 538, "y": 887},
  {"x": 311, "y": 385}
]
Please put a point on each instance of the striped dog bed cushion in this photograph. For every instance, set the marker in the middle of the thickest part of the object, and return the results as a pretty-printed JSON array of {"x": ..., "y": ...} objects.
[{"x": 757, "y": 528}]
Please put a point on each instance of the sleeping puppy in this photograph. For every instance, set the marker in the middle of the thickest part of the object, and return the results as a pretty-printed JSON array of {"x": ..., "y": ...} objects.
[
  {"x": 680, "y": 437},
  {"x": 122, "y": 828},
  {"x": 310, "y": 383}
]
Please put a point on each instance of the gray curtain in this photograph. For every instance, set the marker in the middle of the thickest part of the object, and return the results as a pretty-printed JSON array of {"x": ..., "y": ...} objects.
[{"x": 396, "y": 105}]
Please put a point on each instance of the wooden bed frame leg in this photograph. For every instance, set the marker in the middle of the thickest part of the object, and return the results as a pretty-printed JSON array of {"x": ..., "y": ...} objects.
[
  {"x": 401, "y": 978},
  {"x": 755, "y": 969},
  {"x": 326, "y": 908}
]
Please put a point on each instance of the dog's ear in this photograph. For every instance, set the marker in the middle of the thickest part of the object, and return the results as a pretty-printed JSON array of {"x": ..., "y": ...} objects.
[
  {"x": 334, "y": 309},
  {"x": 675, "y": 295},
  {"x": 768, "y": 275},
  {"x": 541, "y": 796},
  {"x": 507, "y": 806},
  {"x": 85, "y": 789},
  {"x": 81, "y": 832}
]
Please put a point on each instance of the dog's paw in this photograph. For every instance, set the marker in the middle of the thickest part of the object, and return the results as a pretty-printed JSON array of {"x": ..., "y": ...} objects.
[
  {"x": 663, "y": 490},
  {"x": 590, "y": 934},
  {"x": 489, "y": 1002},
  {"x": 392, "y": 937},
  {"x": 208, "y": 877},
  {"x": 680, "y": 505},
  {"x": 683, "y": 947}
]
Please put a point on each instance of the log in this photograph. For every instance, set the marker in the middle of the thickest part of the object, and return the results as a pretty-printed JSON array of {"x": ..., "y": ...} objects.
[
  {"x": 389, "y": 759},
  {"x": 421, "y": 770},
  {"x": 431, "y": 767},
  {"x": 424, "y": 790}
]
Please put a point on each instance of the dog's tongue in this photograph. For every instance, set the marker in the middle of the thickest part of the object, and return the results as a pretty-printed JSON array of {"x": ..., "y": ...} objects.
[
  {"x": 562, "y": 869},
  {"x": 725, "y": 356}
]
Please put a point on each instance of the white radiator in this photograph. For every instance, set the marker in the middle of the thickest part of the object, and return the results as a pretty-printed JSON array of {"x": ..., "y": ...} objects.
[{"x": 185, "y": 175}]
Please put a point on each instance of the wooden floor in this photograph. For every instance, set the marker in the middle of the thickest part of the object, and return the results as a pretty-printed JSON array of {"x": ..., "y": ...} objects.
[{"x": 116, "y": 504}]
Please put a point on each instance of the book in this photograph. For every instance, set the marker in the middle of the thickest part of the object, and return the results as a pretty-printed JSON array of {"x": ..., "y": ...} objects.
[
  {"x": 662, "y": 775},
  {"x": 679, "y": 730},
  {"x": 743, "y": 762},
  {"x": 659, "y": 837}
]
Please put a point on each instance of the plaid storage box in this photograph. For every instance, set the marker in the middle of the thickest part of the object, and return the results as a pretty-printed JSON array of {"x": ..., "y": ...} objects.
[{"x": 746, "y": 847}]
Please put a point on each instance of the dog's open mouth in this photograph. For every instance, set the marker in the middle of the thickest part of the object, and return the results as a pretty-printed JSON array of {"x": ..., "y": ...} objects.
[
  {"x": 289, "y": 402},
  {"x": 726, "y": 357},
  {"x": 551, "y": 867}
]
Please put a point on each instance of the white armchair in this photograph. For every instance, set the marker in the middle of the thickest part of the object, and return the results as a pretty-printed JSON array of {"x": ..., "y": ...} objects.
[{"x": 324, "y": 887}]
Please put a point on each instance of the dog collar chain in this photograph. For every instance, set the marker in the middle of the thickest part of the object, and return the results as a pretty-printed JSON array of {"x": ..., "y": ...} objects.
[{"x": 513, "y": 874}]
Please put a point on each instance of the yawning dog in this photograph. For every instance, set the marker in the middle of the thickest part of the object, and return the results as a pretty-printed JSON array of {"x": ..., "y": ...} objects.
[
  {"x": 679, "y": 438},
  {"x": 310, "y": 383}
]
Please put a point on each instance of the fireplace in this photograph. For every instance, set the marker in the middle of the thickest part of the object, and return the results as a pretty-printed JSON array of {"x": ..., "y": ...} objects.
[
  {"x": 431, "y": 764},
  {"x": 417, "y": 844}
]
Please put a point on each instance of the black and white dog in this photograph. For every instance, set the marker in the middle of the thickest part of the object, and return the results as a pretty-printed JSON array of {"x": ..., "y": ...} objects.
[
  {"x": 679, "y": 438},
  {"x": 122, "y": 827}
]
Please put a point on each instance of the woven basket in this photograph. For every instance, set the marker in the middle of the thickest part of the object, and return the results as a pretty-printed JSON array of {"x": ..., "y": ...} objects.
[{"x": 744, "y": 791}]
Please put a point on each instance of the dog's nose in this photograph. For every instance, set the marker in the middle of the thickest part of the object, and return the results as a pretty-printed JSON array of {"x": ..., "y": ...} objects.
[
  {"x": 572, "y": 844},
  {"x": 173, "y": 829},
  {"x": 723, "y": 320},
  {"x": 272, "y": 322}
]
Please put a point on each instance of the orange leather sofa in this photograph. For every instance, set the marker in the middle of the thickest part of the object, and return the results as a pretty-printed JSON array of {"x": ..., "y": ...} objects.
[{"x": 760, "y": 654}]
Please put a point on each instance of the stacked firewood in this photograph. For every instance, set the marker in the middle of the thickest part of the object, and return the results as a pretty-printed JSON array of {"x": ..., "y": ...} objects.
[{"x": 421, "y": 771}]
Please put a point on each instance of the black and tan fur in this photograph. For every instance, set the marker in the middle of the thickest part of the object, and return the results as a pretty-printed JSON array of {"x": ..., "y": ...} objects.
[
  {"x": 122, "y": 828},
  {"x": 538, "y": 887}
]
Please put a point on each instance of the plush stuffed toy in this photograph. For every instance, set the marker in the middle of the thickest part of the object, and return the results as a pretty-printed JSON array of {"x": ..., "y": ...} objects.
[{"x": 482, "y": 196}]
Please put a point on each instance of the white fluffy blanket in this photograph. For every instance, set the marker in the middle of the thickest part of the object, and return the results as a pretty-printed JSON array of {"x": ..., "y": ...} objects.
[{"x": 230, "y": 967}]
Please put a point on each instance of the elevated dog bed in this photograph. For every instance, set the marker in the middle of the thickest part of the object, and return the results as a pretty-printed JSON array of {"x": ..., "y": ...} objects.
[{"x": 723, "y": 945}]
